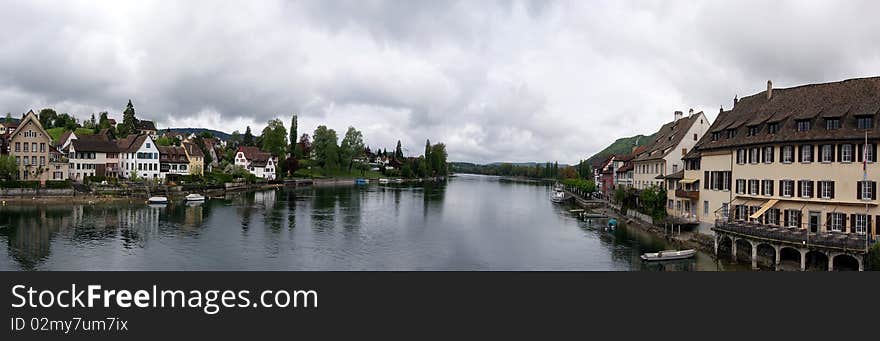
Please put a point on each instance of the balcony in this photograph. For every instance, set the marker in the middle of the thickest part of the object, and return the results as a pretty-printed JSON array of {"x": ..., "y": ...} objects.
[
  {"x": 837, "y": 240},
  {"x": 681, "y": 193}
]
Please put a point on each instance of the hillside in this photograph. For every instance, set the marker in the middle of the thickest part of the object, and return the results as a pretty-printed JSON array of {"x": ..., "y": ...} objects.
[
  {"x": 186, "y": 131},
  {"x": 621, "y": 146}
]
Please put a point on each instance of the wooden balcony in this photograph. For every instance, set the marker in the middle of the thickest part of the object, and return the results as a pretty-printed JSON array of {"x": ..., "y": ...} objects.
[{"x": 680, "y": 193}]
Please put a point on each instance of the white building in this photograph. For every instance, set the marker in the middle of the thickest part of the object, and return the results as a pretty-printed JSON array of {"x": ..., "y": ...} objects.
[
  {"x": 173, "y": 160},
  {"x": 92, "y": 155},
  {"x": 257, "y": 162},
  {"x": 138, "y": 155}
]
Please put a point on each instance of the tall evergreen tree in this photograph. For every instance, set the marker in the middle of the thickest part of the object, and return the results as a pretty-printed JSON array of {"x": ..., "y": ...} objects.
[
  {"x": 428, "y": 160},
  {"x": 398, "y": 152},
  {"x": 129, "y": 121},
  {"x": 248, "y": 139},
  {"x": 293, "y": 134}
]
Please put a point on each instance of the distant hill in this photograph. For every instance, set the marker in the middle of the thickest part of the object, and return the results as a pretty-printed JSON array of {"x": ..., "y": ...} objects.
[
  {"x": 527, "y": 164},
  {"x": 186, "y": 131},
  {"x": 621, "y": 146}
]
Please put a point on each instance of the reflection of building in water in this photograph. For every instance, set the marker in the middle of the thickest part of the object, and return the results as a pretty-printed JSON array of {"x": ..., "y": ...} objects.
[
  {"x": 139, "y": 222},
  {"x": 193, "y": 215},
  {"x": 266, "y": 198},
  {"x": 30, "y": 229}
]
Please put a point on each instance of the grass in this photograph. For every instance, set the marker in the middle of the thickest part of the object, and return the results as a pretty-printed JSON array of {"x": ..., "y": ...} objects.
[
  {"x": 84, "y": 131},
  {"x": 55, "y": 133}
]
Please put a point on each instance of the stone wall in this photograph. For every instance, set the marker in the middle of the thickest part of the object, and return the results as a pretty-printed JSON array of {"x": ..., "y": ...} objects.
[{"x": 42, "y": 192}]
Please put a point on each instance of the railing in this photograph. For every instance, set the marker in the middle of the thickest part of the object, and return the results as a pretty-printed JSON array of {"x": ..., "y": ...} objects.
[
  {"x": 840, "y": 240},
  {"x": 680, "y": 193}
]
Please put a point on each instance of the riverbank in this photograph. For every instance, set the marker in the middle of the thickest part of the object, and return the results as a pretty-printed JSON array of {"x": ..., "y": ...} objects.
[{"x": 683, "y": 240}]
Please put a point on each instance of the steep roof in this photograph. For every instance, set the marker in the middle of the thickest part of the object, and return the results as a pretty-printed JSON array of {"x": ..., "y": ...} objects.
[
  {"x": 192, "y": 149},
  {"x": 94, "y": 143},
  {"x": 669, "y": 135},
  {"x": 174, "y": 154},
  {"x": 845, "y": 100},
  {"x": 64, "y": 136},
  {"x": 145, "y": 125},
  {"x": 257, "y": 157},
  {"x": 131, "y": 143}
]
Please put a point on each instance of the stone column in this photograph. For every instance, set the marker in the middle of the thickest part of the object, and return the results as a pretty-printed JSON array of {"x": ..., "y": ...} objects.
[
  {"x": 754, "y": 257},
  {"x": 830, "y": 262},
  {"x": 803, "y": 260},
  {"x": 733, "y": 250},
  {"x": 778, "y": 251},
  {"x": 716, "y": 245}
]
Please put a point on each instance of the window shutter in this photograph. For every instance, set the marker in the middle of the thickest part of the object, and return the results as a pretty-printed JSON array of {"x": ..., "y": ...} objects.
[
  {"x": 799, "y": 185},
  {"x": 785, "y": 220},
  {"x": 761, "y": 189},
  {"x": 858, "y": 190},
  {"x": 831, "y": 183},
  {"x": 705, "y": 179},
  {"x": 772, "y": 152},
  {"x": 771, "y": 189},
  {"x": 827, "y": 222},
  {"x": 874, "y": 150},
  {"x": 839, "y": 152},
  {"x": 800, "y": 153},
  {"x": 799, "y": 219},
  {"x": 852, "y": 223},
  {"x": 873, "y": 190},
  {"x": 749, "y": 155},
  {"x": 859, "y": 151}
]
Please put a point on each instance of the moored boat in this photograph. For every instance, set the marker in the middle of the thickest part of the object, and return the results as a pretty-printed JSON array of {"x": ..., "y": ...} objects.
[
  {"x": 383, "y": 181},
  {"x": 668, "y": 255},
  {"x": 195, "y": 197},
  {"x": 157, "y": 200},
  {"x": 360, "y": 181},
  {"x": 557, "y": 196}
]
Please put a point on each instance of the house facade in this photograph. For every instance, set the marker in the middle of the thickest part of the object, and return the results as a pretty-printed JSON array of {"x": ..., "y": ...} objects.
[
  {"x": 257, "y": 162},
  {"x": 31, "y": 146},
  {"x": 92, "y": 155},
  {"x": 139, "y": 157},
  {"x": 671, "y": 143},
  {"x": 172, "y": 161},
  {"x": 196, "y": 158}
]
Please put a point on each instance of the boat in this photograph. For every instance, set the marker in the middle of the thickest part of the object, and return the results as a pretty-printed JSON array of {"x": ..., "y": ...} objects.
[
  {"x": 360, "y": 181},
  {"x": 612, "y": 224},
  {"x": 157, "y": 200},
  {"x": 668, "y": 255},
  {"x": 557, "y": 196},
  {"x": 383, "y": 181},
  {"x": 195, "y": 197},
  {"x": 398, "y": 181}
]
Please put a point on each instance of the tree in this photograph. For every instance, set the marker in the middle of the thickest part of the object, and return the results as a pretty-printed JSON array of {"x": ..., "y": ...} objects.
[
  {"x": 200, "y": 143},
  {"x": 428, "y": 168},
  {"x": 398, "y": 152},
  {"x": 8, "y": 168},
  {"x": 274, "y": 139},
  {"x": 352, "y": 147},
  {"x": 326, "y": 148},
  {"x": 293, "y": 134},
  {"x": 9, "y": 117},
  {"x": 129, "y": 121},
  {"x": 438, "y": 159},
  {"x": 248, "y": 139},
  {"x": 304, "y": 146},
  {"x": 47, "y": 117}
]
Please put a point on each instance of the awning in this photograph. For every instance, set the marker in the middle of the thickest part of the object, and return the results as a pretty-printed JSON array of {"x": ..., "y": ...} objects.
[
  {"x": 688, "y": 181},
  {"x": 767, "y": 205}
]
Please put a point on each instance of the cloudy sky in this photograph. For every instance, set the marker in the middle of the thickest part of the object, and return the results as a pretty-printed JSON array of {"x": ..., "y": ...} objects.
[{"x": 494, "y": 80}]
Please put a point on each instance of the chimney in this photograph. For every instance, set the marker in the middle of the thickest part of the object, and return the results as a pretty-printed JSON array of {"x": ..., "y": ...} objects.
[
  {"x": 691, "y": 112},
  {"x": 721, "y": 109},
  {"x": 769, "y": 89},
  {"x": 678, "y": 115},
  {"x": 735, "y": 99}
]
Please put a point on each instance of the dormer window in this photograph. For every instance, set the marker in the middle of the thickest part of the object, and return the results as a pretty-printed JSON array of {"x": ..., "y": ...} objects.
[
  {"x": 715, "y": 136},
  {"x": 832, "y": 123},
  {"x": 803, "y": 125},
  {"x": 865, "y": 122},
  {"x": 772, "y": 128},
  {"x": 753, "y": 130},
  {"x": 731, "y": 133}
]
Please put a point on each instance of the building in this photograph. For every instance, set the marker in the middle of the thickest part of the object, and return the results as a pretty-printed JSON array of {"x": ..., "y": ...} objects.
[
  {"x": 147, "y": 127},
  {"x": 664, "y": 155},
  {"x": 257, "y": 162},
  {"x": 7, "y": 127},
  {"x": 31, "y": 146},
  {"x": 783, "y": 174},
  {"x": 92, "y": 155},
  {"x": 172, "y": 161},
  {"x": 196, "y": 158},
  {"x": 64, "y": 140},
  {"x": 138, "y": 157}
]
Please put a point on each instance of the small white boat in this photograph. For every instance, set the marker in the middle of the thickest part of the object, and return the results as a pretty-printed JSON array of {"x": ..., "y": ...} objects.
[
  {"x": 668, "y": 255},
  {"x": 384, "y": 181},
  {"x": 158, "y": 200},
  {"x": 557, "y": 196},
  {"x": 195, "y": 197}
]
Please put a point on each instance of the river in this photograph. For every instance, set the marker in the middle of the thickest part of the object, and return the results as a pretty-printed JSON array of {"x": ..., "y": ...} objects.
[{"x": 469, "y": 222}]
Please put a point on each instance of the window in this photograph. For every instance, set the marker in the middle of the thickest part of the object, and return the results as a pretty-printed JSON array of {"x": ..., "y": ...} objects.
[
  {"x": 725, "y": 210},
  {"x": 865, "y": 122},
  {"x": 731, "y": 133},
  {"x": 753, "y": 155},
  {"x": 792, "y": 218},
  {"x": 786, "y": 188},
  {"x": 826, "y": 153},
  {"x": 803, "y": 125},
  {"x": 753, "y": 130},
  {"x": 148, "y": 145},
  {"x": 18, "y": 146},
  {"x": 26, "y": 147},
  {"x": 669, "y": 204},
  {"x": 741, "y": 156},
  {"x": 705, "y": 207},
  {"x": 767, "y": 187},
  {"x": 740, "y": 186},
  {"x": 771, "y": 217},
  {"x": 836, "y": 221},
  {"x": 866, "y": 190},
  {"x": 42, "y": 160},
  {"x": 753, "y": 187},
  {"x": 846, "y": 153},
  {"x": 739, "y": 212},
  {"x": 868, "y": 152},
  {"x": 806, "y": 188},
  {"x": 768, "y": 154},
  {"x": 787, "y": 154},
  {"x": 832, "y": 123},
  {"x": 42, "y": 147},
  {"x": 826, "y": 189},
  {"x": 772, "y": 128},
  {"x": 18, "y": 160},
  {"x": 806, "y": 153},
  {"x": 861, "y": 223},
  {"x": 715, "y": 136}
]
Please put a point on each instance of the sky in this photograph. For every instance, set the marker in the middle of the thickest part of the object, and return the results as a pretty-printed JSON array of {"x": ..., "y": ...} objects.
[{"x": 511, "y": 81}]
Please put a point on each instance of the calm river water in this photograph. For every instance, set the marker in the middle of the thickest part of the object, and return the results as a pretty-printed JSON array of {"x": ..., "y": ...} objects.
[{"x": 470, "y": 222}]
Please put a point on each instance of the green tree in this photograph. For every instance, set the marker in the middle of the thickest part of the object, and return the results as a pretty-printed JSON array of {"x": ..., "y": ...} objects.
[
  {"x": 352, "y": 147},
  {"x": 248, "y": 139},
  {"x": 428, "y": 166},
  {"x": 398, "y": 152},
  {"x": 8, "y": 168},
  {"x": 9, "y": 117},
  {"x": 326, "y": 148},
  {"x": 438, "y": 159},
  {"x": 274, "y": 139},
  {"x": 293, "y": 135},
  {"x": 129, "y": 121},
  {"x": 47, "y": 117}
]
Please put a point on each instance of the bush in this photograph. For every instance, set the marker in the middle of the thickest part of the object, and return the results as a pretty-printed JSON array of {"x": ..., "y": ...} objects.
[
  {"x": 19, "y": 184},
  {"x": 59, "y": 184}
]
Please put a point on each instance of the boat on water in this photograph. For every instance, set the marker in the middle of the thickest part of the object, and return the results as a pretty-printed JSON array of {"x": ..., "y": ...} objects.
[
  {"x": 157, "y": 200},
  {"x": 668, "y": 255},
  {"x": 360, "y": 181},
  {"x": 398, "y": 181},
  {"x": 195, "y": 197},
  {"x": 557, "y": 196},
  {"x": 383, "y": 181}
]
